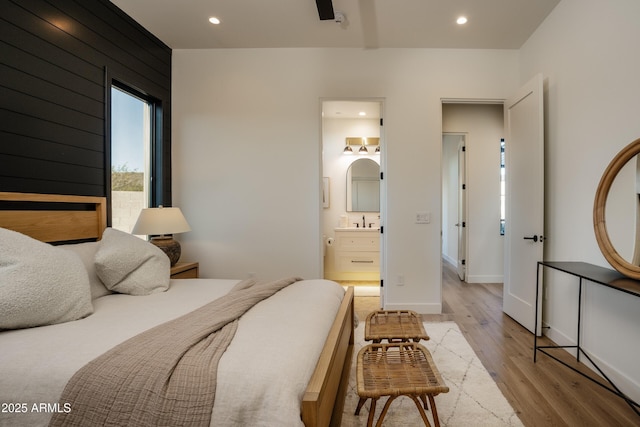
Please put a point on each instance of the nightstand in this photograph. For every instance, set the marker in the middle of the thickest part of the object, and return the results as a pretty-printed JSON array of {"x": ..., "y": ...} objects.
[{"x": 185, "y": 270}]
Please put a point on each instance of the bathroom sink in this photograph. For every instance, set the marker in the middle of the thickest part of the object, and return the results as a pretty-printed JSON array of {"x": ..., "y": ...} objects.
[{"x": 357, "y": 229}]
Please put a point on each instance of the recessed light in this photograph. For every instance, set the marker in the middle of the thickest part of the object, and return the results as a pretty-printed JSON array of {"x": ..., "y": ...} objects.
[
  {"x": 461, "y": 20},
  {"x": 362, "y": 113},
  {"x": 214, "y": 20}
]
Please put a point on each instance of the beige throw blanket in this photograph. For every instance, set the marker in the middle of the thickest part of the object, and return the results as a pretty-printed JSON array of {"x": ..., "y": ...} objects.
[{"x": 165, "y": 376}]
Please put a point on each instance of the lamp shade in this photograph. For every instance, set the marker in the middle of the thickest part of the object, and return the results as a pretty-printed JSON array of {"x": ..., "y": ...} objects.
[{"x": 160, "y": 221}]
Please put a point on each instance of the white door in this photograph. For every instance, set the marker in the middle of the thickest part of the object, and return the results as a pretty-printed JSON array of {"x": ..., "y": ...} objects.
[
  {"x": 524, "y": 171},
  {"x": 383, "y": 207},
  {"x": 462, "y": 211}
]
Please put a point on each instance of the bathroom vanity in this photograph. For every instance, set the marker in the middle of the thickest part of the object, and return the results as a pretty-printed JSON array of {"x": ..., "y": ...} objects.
[{"x": 357, "y": 253}]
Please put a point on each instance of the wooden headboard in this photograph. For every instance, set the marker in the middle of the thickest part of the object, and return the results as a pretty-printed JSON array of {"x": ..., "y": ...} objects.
[{"x": 54, "y": 217}]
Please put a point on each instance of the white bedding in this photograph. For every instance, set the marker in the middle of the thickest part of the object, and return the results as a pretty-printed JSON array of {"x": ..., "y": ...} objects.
[{"x": 261, "y": 378}]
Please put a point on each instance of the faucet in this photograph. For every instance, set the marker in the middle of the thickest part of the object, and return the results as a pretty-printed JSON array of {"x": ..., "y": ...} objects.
[{"x": 364, "y": 223}]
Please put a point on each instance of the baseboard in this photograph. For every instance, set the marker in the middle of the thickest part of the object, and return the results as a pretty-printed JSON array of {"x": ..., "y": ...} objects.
[
  {"x": 451, "y": 261},
  {"x": 627, "y": 385}
]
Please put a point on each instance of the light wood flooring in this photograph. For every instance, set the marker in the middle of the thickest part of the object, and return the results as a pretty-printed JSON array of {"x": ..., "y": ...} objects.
[{"x": 544, "y": 393}]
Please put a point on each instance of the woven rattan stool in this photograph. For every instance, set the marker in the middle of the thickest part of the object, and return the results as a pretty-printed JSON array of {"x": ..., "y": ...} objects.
[
  {"x": 394, "y": 326},
  {"x": 398, "y": 369}
]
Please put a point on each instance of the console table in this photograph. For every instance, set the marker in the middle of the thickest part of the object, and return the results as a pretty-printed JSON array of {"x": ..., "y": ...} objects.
[{"x": 600, "y": 276}]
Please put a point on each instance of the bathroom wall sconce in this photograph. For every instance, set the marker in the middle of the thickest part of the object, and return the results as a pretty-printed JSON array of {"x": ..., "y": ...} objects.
[{"x": 363, "y": 143}]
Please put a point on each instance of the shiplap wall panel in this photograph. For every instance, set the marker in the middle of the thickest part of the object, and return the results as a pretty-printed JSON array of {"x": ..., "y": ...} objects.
[
  {"x": 54, "y": 152},
  {"x": 75, "y": 77},
  {"x": 51, "y": 187},
  {"x": 53, "y": 57},
  {"x": 36, "y": 34},
  {"x": 26, "y": 83},
  {"x": 46, "y": 107},
  {"x": 137, "y": 57},
  {"x": 18, "y": 125},
  {"x": 40, "y": 169}
]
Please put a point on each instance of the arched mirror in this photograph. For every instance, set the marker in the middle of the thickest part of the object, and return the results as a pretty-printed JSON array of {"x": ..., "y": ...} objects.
[
  {"x": 618, "y": 201},
  {"x": 363, "y": 186}
]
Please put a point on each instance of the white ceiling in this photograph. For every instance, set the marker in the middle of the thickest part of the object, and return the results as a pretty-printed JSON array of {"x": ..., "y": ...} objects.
[{"x": 493, "y": 24}]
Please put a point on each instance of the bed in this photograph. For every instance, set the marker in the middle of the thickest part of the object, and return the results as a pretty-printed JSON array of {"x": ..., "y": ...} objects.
[{"x": 297, "y": 342}]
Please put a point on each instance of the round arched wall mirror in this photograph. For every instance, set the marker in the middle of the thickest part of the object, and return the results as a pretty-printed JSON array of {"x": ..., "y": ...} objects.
[
  {"x": 619, "y": 191},
  {"x": 363, "y": 186}
]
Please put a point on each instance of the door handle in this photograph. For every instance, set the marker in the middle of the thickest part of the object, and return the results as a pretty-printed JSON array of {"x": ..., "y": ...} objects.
[{"x": 534, "y": 238}]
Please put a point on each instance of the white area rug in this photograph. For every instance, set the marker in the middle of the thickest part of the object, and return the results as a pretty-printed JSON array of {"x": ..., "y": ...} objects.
[{"x": 474, "y": 399}]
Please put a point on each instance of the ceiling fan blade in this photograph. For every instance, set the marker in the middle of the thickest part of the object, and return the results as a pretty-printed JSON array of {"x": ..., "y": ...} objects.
[
  {"x": 325, "y": 9},
  {"x": 369, "y": 23}
]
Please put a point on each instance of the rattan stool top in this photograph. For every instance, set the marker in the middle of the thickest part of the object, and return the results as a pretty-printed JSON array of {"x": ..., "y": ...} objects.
[
  {"x": 398, "y": 369},
  {"x": 394, "y": 325}
]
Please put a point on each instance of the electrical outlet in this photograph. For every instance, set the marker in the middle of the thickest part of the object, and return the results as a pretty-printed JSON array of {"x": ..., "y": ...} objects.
[
  {"x": 423, "y": 217},
  {"x": 400, "y": 280},
  {"x": 251, "y": 274}
]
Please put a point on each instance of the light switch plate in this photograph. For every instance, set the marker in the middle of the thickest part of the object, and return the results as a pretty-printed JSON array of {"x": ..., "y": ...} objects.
[{"x": 423, "y": 217}]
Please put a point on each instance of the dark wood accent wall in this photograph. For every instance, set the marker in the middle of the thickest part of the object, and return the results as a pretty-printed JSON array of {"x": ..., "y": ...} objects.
[{"x": 57, "y": 59}]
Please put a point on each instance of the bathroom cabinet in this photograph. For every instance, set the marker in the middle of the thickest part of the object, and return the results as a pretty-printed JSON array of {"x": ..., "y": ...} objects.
[{"x": 357, "y": 253}]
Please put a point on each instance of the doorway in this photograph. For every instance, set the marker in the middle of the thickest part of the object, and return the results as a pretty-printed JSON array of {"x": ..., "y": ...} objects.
[
  {"x": 353, "y": 193},
  {"x": 515, "y": 232},
  {"x": 454, "y": 201},
  {"x": 472, "y": 200}
]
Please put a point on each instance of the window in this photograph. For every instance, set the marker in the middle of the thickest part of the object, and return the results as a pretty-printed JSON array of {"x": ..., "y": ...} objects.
[{"x": 131, "y": 157}]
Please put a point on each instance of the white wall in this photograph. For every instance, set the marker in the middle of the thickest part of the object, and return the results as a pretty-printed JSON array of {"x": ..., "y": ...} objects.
[
  {"x": 246, "y": 153},
  {"x": 484, "y": 125},
  {"x": 588, "y": 53}
]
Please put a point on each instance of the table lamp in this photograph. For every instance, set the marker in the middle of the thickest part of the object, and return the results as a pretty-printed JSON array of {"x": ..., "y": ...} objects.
[{"x": 162, "y": 223}]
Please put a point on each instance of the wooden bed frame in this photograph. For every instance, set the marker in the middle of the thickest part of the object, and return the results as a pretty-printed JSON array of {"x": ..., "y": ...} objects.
[
  {"x": 60, "y": 218},
  {"x": 52, "y": 217}
]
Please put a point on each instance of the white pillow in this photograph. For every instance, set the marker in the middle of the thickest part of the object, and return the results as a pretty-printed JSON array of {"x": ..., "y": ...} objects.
[
  {"x": 40, "y": 284},
  {"x": 87, "y": 253},
  {"x": 130, "y": 265}
]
